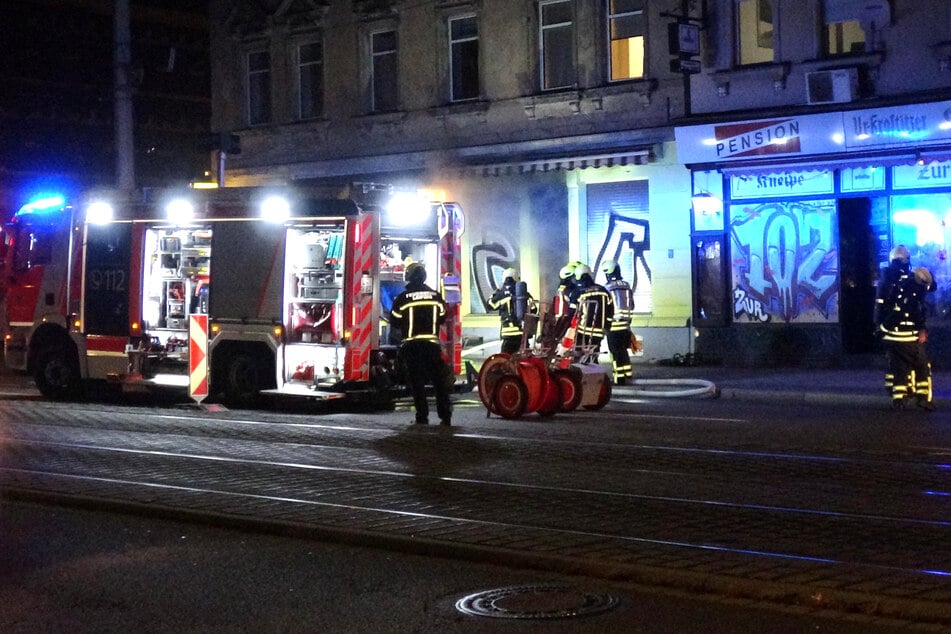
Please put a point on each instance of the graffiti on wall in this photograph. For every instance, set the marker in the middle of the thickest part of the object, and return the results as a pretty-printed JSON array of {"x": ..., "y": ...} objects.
[
  {"x": 627, "y": 239},
  {"x": 495, "y": 254},
  {"x": 785, "y": 262}
]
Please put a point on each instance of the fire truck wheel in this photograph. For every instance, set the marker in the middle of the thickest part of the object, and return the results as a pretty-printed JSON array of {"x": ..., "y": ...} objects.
[
  {"x": 242, "y": 380},
  {"x": 570, "y": 385},
  {"x": 510, "y": 397},
  {"x": 604, "y": 395},
  {"x": 57, "y": 373}
]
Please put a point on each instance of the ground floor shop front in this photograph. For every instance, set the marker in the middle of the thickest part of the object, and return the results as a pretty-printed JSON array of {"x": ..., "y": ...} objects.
[{"x": 793, "y": 220}]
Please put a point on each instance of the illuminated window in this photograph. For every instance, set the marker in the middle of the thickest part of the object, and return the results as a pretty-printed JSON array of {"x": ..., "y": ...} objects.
[
  {"x": 844, "y": 33},
  {"x": 626, "y": 28},
  {"x": 463, "y": 58},
  {"x": 556, "y": 39},
  {"x": 259, "y": 87},
  {"x": 754, "y": 31},
  {"x": 384, "y": 69},
  {"x": 310, "y": 73}
]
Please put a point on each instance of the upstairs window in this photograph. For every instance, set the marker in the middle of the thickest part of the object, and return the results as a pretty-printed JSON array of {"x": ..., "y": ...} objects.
[
  {"x": 463, "y": 58},
  {"x": 384, "y": 70},
  {"x": 259, "y": 87},
  {"x": 754, "y": 30},
  {"x": 844, "y": 34},
  {"x": 310, "y": 80},
  {"x": 556, "y": 44},
  {"x": 626, "y": 29}
]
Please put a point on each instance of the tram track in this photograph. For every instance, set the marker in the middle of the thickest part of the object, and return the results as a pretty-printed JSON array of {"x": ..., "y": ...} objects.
[
  {"x": 227, "y": 467},
  {"x": 846, "y": 517}
]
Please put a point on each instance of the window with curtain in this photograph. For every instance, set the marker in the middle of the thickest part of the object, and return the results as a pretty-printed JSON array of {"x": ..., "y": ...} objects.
[
  {"x": 754, "y": 32},
  {"x": 556, "y": 44},
  {"x": 844, "y": 34},
  {"x": 626, "y": 36}
]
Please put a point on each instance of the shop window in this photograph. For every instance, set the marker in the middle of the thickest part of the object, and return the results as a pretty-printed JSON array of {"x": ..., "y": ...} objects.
[
  {"x": 923, "y": 224},
  {"x": 259, "y": 87},
  {"x": 618, "y": 221},
  {"x": 464, "y": 58},
  {"x": 556, "y": 44},
  {"x": 626, "y": 36},
  {"x": 784, "y": 268},
  {"x": 755, "y": 32},
  {"x": 310, "y": 79},
  {"x": 384, "y": 70}
]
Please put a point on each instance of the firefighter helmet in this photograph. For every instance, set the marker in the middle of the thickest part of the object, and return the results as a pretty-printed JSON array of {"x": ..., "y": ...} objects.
[
  {"x": 611, "y": 269},
  {"x": 582, "y": 270},
  {"x": 415, "y": 272},
  {"x": 923, "y": 276},
  {"x": 899, "y": 253},
  {"x": 510, "y": 273},
  {"x": 566, "y": 272}
]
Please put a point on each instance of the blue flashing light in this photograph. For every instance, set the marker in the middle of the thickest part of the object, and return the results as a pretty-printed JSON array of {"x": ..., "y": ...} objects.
[{"x": 42, "y": 203}]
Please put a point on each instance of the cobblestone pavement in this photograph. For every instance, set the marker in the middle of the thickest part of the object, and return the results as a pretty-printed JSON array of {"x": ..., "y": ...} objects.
[{"x": 851, "y": 532}]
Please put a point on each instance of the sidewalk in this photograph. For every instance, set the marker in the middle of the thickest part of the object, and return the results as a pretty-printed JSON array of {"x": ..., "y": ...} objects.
[{"x": 832, "y": 386}]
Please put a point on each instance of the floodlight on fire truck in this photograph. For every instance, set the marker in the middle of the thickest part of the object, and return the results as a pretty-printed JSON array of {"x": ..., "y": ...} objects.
[
  {"x": 407, "y": 209},
  {"x": 275, "y": 209},
  {"x": 180, "y": 211},
  {"x": 99, "y": 212}
]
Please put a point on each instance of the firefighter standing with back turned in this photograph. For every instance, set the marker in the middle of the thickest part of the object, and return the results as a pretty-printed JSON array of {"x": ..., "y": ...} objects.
[
  {"x": 512, "y": 301},
  {"x": 418, "y": 312},
  {"x": 619, "y": 334},
  {"x": 595, "y": 310},
  {"x": 900, "y": 323}
]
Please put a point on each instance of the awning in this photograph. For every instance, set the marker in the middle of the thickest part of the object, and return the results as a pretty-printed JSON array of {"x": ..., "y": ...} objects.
[{"x": 515, "y": 167}]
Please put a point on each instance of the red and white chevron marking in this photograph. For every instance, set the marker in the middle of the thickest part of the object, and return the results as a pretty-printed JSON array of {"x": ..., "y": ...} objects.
[
  {"x": 198, "y": 357},
  {"x": 357, "y": 365}
]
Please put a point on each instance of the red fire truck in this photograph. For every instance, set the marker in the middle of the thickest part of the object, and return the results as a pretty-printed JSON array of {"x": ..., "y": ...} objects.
[{"x": 295, "y": 290}]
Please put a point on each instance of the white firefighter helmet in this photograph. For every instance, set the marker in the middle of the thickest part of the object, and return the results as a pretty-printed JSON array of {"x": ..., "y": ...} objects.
[
  {"x": 581, "y": 271},
  {"x": 415, "y": 272},
  {"x": 899, "y": 253},
  {"x": 923, "y": 277},
  {"x": 609, "y": 268},
  {"x": 510, "y": 273}
]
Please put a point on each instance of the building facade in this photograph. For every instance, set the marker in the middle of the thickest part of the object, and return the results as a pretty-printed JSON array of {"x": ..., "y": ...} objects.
[
  {"x": 581, "y": 129},
  {"x": 550, "y": 122}
]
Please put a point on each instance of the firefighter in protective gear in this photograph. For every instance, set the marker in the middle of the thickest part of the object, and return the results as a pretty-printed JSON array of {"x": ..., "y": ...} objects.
[
  {"x": 418, "y": 312},
  {"x": 561, "y": 303},
  {"x": 595, "y": 311},
  {"x": 512, "y": 305},
  {"x": 900, "y": 323},
  {"x": 619, "y": 333}
]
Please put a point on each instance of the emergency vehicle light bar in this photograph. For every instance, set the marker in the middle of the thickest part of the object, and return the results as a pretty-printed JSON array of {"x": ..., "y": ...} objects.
[{"x": 44, "y": 202}]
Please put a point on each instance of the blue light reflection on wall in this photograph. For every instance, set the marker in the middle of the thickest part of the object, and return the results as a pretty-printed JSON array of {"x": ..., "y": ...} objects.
[{"x": 922, "y": 222}]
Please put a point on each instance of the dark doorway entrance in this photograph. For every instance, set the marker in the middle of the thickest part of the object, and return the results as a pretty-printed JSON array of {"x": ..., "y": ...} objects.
[{"x": 857, "y": 264}]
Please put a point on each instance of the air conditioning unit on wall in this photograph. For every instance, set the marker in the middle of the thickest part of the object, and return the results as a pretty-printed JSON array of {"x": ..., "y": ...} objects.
[{"x": 832, "y": 86}]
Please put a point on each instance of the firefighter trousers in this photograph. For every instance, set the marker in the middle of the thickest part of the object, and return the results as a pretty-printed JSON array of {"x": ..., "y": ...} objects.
[
  {"x": 619, "y": 345},
  {"x": 423, "y": 364},
  {"x": 908, "y": 371}
]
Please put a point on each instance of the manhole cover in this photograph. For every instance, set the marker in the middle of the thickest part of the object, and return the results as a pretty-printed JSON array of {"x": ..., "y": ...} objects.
[{"x": 550, "y": 601}]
